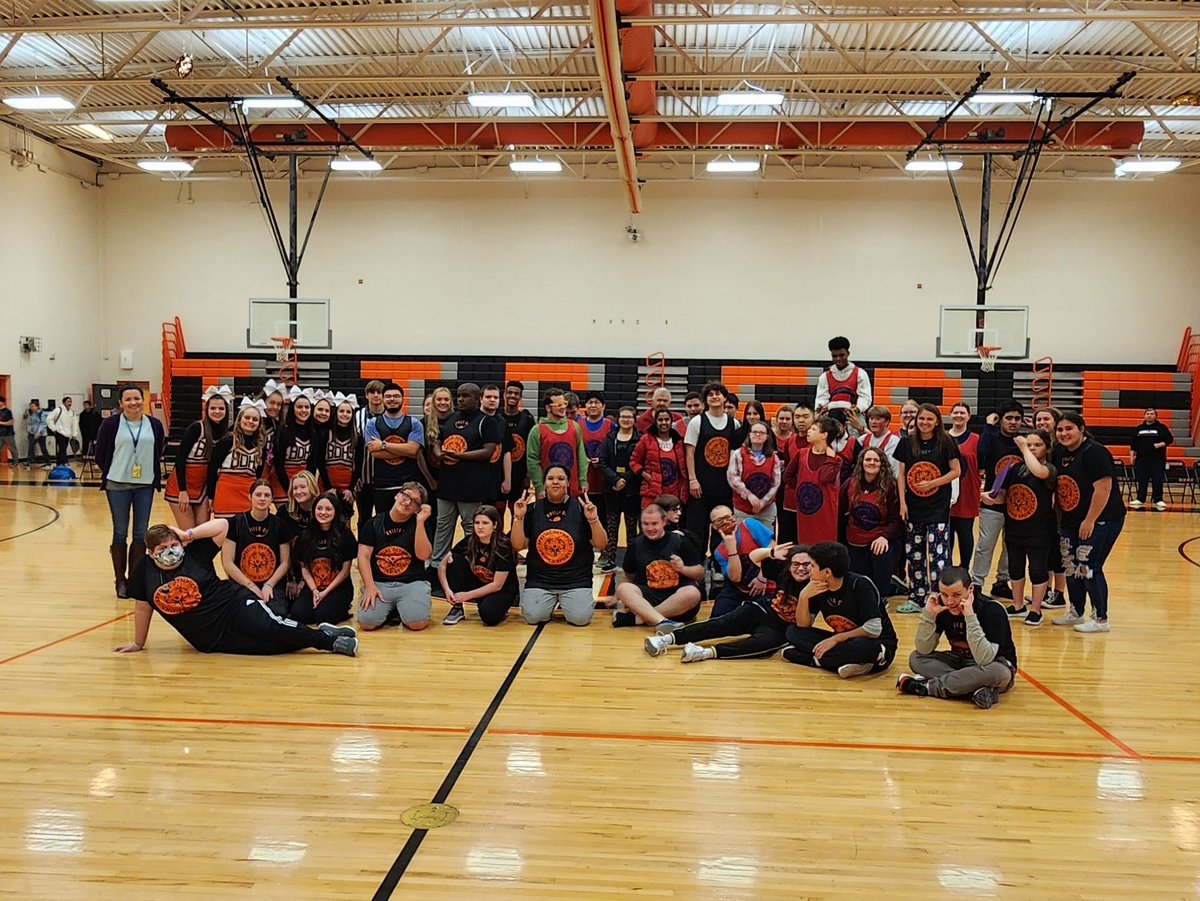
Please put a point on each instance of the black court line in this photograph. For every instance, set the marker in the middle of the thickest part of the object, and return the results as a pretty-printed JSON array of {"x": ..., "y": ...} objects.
[
  {"x": 1184, "y": 554},
  {"x": 404, "y": 858},
  {"x": 17, "y": 500}
]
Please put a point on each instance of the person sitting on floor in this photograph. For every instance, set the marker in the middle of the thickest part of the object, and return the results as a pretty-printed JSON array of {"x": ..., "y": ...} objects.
[
  {"x": 862, "y": 641},
  {"x": 214, "y": 616},
  {"x": 479, "y": 570},
  {"x": 744, "y": 580},
  {"x": 982, "y": 660},
  {"x": 392, "y": 550},
  {"x": 662, "y": 574}
]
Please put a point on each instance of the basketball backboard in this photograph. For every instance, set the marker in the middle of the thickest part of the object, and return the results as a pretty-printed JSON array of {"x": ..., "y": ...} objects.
[
  {"x": 305, "y": 320},
  {"x": 962, "y": 330}
]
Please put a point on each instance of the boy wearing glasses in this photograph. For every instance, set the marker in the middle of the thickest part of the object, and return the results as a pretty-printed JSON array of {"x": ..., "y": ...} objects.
[{"x": 392, "y": 550}]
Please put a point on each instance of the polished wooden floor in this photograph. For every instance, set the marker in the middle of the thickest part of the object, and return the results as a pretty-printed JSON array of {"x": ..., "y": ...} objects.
[{"x": 603, "y": 773}]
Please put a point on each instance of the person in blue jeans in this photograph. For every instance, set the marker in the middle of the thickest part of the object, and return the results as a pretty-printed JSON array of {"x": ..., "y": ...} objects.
[
  {"x": 129, "y": 447},
  {"x": 1091, "y": 516}
]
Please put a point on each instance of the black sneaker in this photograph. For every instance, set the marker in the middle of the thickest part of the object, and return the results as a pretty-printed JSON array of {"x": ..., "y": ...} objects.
[
  {"x": 985, "y": 698},
  {"x": 1016, "y": 613},
  {"x": 337, "y": 631},
  {"x": 1001, "y": 590},
  {"x": 345, "y": 644},
  {"x": 1033, "y": 618},
  {"x": 912, "y": 685},
  {"x": 1054, "y": 600},
  {"x": 623, "y": 618},
  {"x": 455, "y": 615}
]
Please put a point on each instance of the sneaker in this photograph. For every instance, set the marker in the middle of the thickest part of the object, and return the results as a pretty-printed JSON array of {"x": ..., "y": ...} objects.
[
  {"x": 850, "y": 670},
  {"x": 1016, "y": 612},
  {"x": 609, "y": 566},
  {"x": 908, "y": 684},
  {"x": 985, "y": 698},
  {"x": 345, "y": 644},
  {"x": 909, "y": 607},
  {"x": 693, "y": 653},
  {"x": 667, "y": 626},
  {"x": 656, "y": 645},
  {"x": 1054, "y": 600},
  {"x": 454, "y": 615},
  {"x": 1033, "y": 618},
  {"x": 1160, "y": 505},
  {"x": 337, "y": 631},
  {"x": 1136, "y": 504},
  {"x": 1070, "y": 618},
  {"x": 1001, "y": 590},
  {"x": 392, "y": 618},
  {"x": 1093, "y": 625},
  {"x": 623, "y": 618}
]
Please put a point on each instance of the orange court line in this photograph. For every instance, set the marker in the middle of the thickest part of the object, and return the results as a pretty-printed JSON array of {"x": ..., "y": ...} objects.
[
  {"x": 58, "y": 641},
  {"x": 1082, "y": 717},
  {"x": 213, "y": 721}
]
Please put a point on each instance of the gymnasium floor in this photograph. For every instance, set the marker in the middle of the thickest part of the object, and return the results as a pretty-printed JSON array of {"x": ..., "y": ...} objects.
[{"x": 581, "y": 767}]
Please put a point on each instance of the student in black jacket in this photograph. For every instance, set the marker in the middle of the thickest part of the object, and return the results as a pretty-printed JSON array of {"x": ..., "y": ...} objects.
[
  {"x": 1148, "y": 451},
  {"x": 622, "y": 489}
]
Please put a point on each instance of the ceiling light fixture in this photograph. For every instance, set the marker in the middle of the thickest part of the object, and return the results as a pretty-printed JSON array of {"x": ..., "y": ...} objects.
[
  {"x": 1133, "y": 167},
  {"x": 750, "y": 98},
  {"x": 992, "y": 97},
  {"x": 271, "y": 101},
  {"x": 731, "y": 165},
  {"x": 933, "y": 165},
  {"x": 165, "y": 165},
  {"x": 494, "y": 101},
  {"x": 536, "y": 166},
  {"x": 345, "y": 165},
  {"x": 39, "y": 102}
]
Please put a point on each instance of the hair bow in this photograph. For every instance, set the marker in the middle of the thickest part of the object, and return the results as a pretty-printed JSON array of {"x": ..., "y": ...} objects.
[
  {"x": 212, "y": 391},
  {"x": 273, "y": 387},
  {"x": 322, "y": 394},
  {"x": 256, "y": 404},
  {"x": 297, "y": 392},
  {"x": 339, "y": 399}
]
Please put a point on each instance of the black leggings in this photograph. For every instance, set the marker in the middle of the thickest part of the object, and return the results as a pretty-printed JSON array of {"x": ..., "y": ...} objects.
[
  {"x": 764, "y": 631},
  {"x": 696, "y": 515},
  {"x": 962, "y": 533},
  {"x": 856, "y": 650},
  {"x": 493, "y": 608},
  {"x": 253, "y": 629},
  {"x": 334, "y": 607},
  {"x": 1038, "y": 556},
  {"x": 876, "y": 567}
]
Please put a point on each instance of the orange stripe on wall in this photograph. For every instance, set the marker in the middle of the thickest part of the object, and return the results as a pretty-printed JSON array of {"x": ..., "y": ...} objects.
[
  {"x": 573, "y": 374},
  {"x": 763, "y": 375},
  {"x": 210, "y": 369},
  {"x": 385, "y": 370}
]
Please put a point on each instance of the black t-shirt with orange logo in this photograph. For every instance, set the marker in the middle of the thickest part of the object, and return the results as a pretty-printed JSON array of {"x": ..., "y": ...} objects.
[
  {"x": 256, "y": 545},
  {"x": 393, "y": 548},
  {"x": 484, "y": 567},
  {"x": 1029, "y": 516},
  {"x": 465, "y": 480},
  {"x": 560, "y": 546},
  {"x": 196, "y": 603},
  {"x": 852, "y": 605},
  {"x": 993, "y": 621},
  {"x": 647, "y": 564},
  {"x": 928, "y": 462},
  {"x": 1078, "y": 471}
]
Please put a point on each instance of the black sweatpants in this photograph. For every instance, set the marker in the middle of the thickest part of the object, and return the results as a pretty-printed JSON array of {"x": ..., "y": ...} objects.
[
  {"x": 255, "y": 630},
  {"x": 764, "y": 632},
  {"x": 364, "y": 501},
  {"x": 962, "y": 536},
  {"x": 876, "y": 567},
  {"x": 493, "y": 608},
  {"x": 334, "y": 607},
  {"x": 856, "y": 650},
  {"x": 696, "y": 515}
]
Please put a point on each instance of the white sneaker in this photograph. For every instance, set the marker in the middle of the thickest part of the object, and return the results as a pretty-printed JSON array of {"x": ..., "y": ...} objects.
[
  {"x": 850, "y": 670},
  {"x": 657, "y": 644},
  {"x": 693, "y": 653},
  {"x": 1093, "y": 625},
  {"x": 1136, "y": 504},
  {"x": 1160, "y": 505},
  {"x": 1070, "y": 618}
]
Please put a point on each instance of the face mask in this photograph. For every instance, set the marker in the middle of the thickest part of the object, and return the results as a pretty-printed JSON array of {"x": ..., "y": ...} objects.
[{"x": 169, "y": 557}]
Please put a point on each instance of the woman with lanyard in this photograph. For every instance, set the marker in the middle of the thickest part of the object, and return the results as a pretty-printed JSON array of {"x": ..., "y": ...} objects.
[
  {"x": 965, "y": 510},
  {"x": 325, "y": 552},
  {"x": 870, "y": 507},
  {"x": 128, "y": 449},
  {"x": 929, "y": 462},
  {"x": 187, "y": 485},
  {"x": 659, "y": 462},
  {"x": 1091, "y": 517},
  {"x": 337, "y": 458},
  {"x": 620, "y": 483},
  {"x": 560, "y": 536},
  {"x": 256, "y": 552},
  {"x": 237, "y": 461},
  {"x": 818, "y": 483},
  {"x": 755, "y": 473},
  {"x": 1030, "y": 525}
]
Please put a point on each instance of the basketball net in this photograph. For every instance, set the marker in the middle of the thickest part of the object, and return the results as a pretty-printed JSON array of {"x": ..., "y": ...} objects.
[
  {"x": 289, "y": 363},
  {"x": 987, "y": 357},
  {"x": 283, "y": 349}
]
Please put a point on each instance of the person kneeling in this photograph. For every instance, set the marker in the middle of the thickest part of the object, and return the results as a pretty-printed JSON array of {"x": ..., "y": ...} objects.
[
  {"x": 214, "y": 616},
  {"x": 862, "y": 641},
  {"x": 662, "y": 573},
  {"x": 981, "y": 662},
  {"x": 392, "y": 550},
  {"x": 479, "y": 570},
  {"x": 763, "y": 620}
]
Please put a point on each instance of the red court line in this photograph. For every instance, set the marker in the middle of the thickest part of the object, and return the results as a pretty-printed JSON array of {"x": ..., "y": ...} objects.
[
  {"x": 214, "y": 721},
  {"x": 1169, "y": 758},
  {"x": 1082, "y": 717},
  {"x": 58, "y": 641}
]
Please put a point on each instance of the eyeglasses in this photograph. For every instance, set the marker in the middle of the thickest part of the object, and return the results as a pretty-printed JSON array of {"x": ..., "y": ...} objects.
[
  {"x": 408, "y": 499},
  {"x": 796, "y": 564}
]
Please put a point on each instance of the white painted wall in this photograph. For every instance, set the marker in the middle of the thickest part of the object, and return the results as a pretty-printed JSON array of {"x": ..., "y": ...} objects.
[
  {"x": 49, "y": 273},
  {"x": 734, "y": 269}
]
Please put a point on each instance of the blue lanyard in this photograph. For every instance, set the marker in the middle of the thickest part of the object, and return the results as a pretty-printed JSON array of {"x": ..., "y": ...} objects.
[{"x": 134, "y": 438}]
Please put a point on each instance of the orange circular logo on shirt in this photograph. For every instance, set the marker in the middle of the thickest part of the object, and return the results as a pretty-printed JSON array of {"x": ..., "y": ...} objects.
[
  {"x": 922, "y": 472},
  {"x": 661, "y": 574},
  {"x": 483, "y": 574},
  {"x": 1067, "y": 490},
  {"x": 393, "y": 560},
  {"x": 840, "y": 624},
  {"x": 518, "y": 450},
  {"x": 1021, "y": 502},
  {"x": 716, "y": 452},
  {"x": 555, "y": 547},
  {"x": 1007, "y": 462},
  {"x": 322, "y": 572},
  {"x": 496, "y": 454},
  {"x": 395, "y": 440},
  {"x": 258, "y": 562},
  {"x": 180, "y": 595}
]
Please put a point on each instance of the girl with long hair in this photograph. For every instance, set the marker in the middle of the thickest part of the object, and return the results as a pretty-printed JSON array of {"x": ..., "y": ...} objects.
[
  {"x": 337, "y": 458},
  {"x": 659, "y": 460},
  {"x": 237, "y": 461},
  {"x": 294, "y": 441},
  {"x": 929, "y": 462},
  {"x": 1046, "y": 420},
  {"x": 870, "y": 507},
  {"x": 755, "y": 473},
  {"x": 256, "y": 553},
  {"x": 480, "y": 570},
  {"x": 187, "y": 485},
  {"x": 325, "y": 552},
  {"x": 965, "y": 509}
]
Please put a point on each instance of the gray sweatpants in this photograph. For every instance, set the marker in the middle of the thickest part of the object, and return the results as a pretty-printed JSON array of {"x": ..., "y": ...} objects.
[
  {"x": 578, "y": 605},
  {"x": 991, "y": 530},
  {"x": 410, "y": 599},
  {"x": 10, "y": 441},
  {"x": 951, "y": 675},
  {"x": 448, "y": 513}
]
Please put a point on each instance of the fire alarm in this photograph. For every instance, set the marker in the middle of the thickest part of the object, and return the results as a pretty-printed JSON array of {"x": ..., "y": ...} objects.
[{"x": 184, "y": 65}]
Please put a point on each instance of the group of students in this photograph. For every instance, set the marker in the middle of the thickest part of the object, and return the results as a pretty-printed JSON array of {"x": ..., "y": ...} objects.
[{"x": 686, "y": 486}]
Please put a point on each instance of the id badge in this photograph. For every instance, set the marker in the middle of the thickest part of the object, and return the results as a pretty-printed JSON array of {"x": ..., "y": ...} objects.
[
  {"x": 620, "y": 470},
  {"x": 136, "y": 472}
]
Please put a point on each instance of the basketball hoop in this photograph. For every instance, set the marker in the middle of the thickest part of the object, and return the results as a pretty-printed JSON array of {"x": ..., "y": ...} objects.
[
  {"x": 987, "y": 357},
  {"x": 283, "y": 349}
]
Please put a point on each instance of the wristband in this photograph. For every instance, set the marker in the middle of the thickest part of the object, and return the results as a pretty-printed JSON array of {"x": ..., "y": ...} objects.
[{"x": 189, "y": 534}]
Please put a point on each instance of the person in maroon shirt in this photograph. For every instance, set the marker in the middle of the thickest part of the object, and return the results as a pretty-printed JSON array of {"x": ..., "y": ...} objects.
[
  {"x": 965, "y": 510},
  {"x": 818, "y": 481},
  {"x": 870, "y": 510}
]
